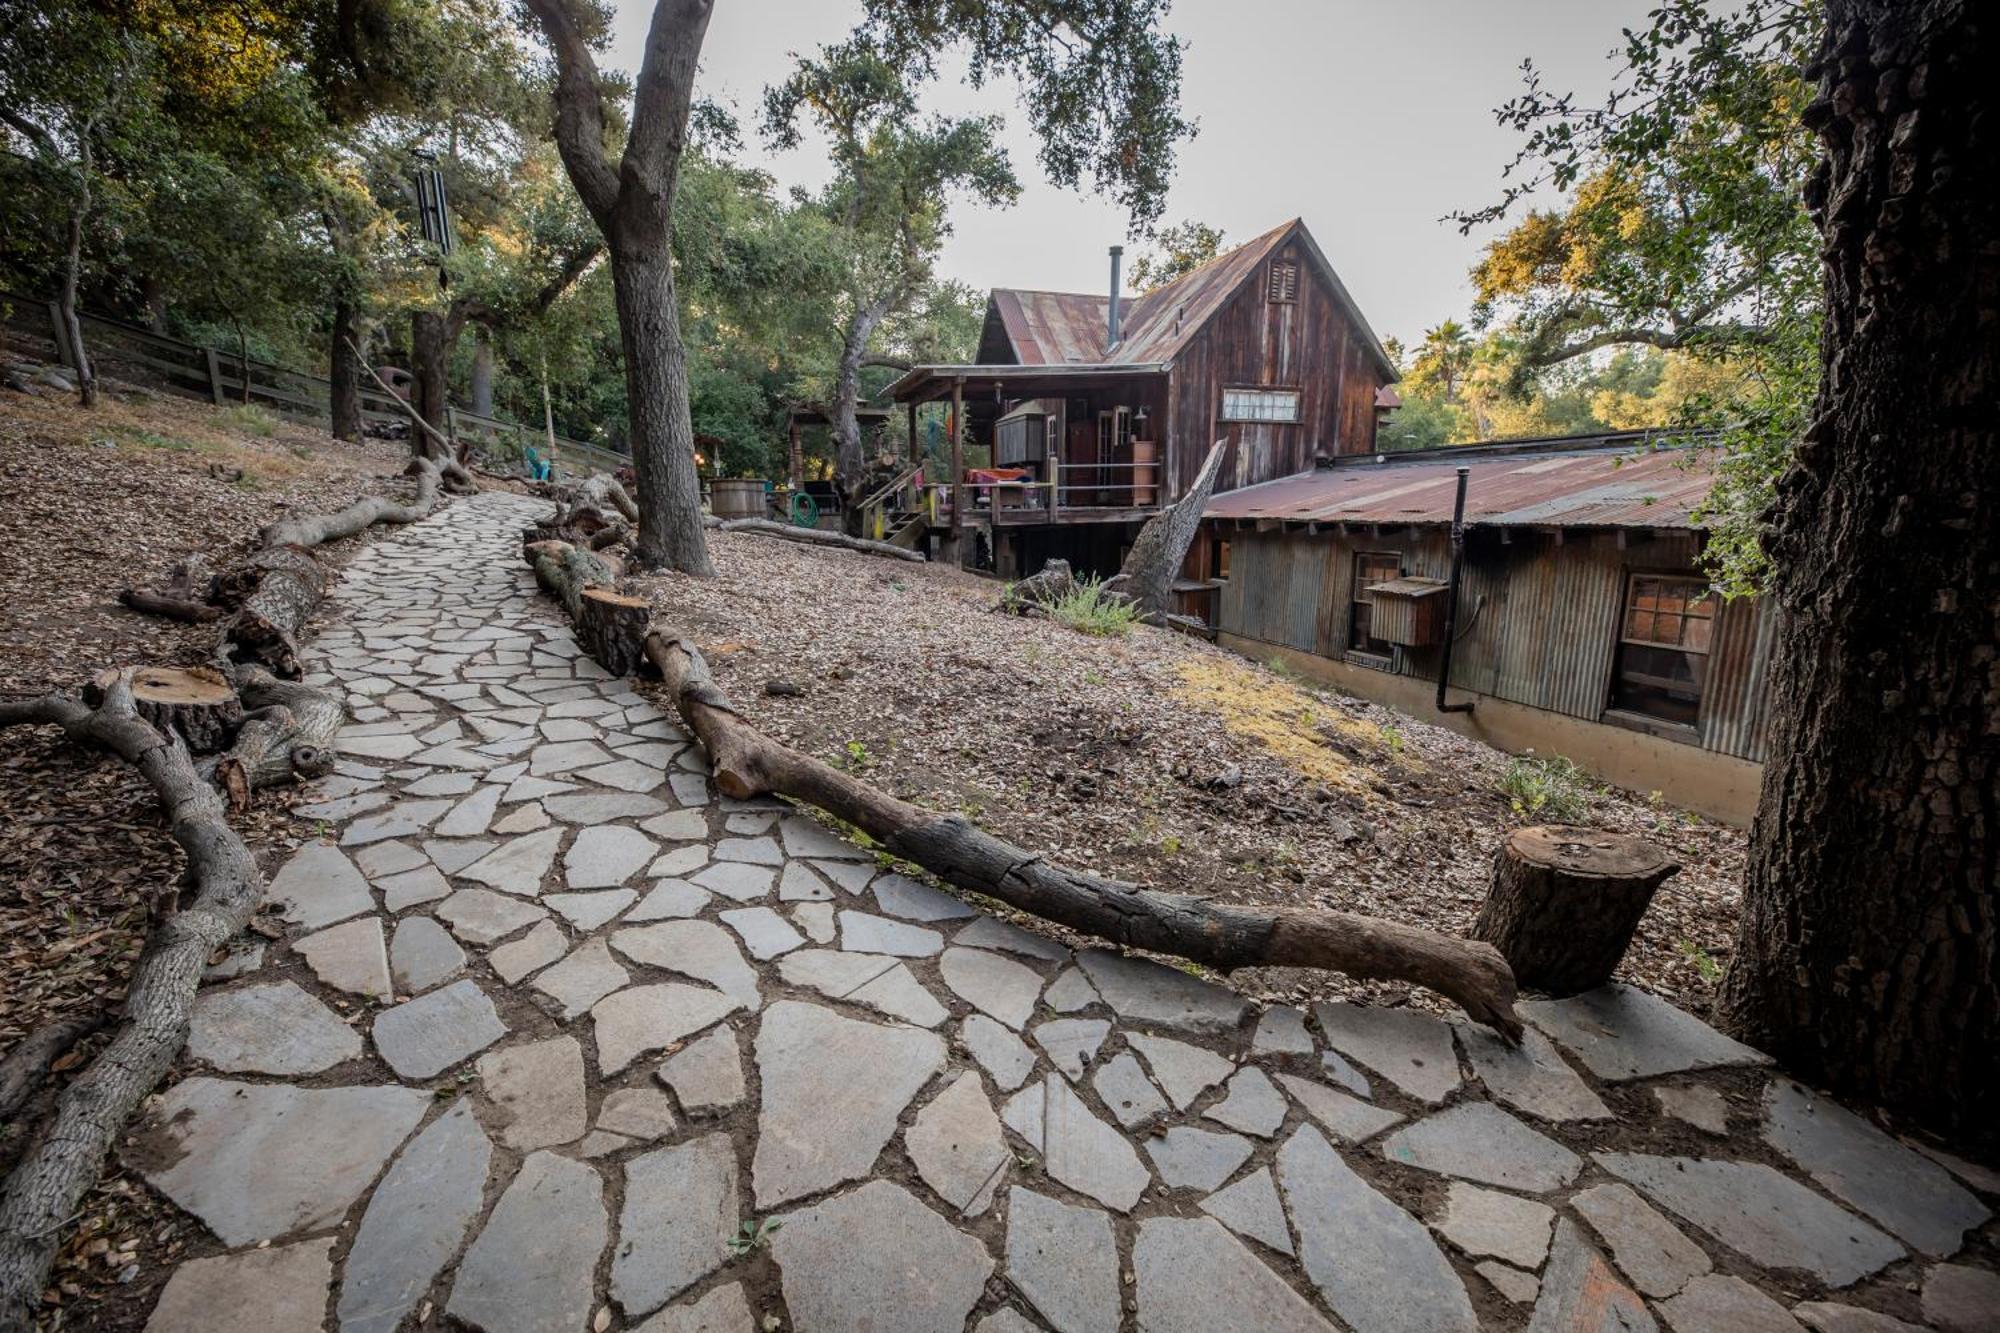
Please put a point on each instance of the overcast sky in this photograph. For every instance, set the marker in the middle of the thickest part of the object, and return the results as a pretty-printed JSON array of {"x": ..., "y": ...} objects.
[{"x": 1368, "y": 118}]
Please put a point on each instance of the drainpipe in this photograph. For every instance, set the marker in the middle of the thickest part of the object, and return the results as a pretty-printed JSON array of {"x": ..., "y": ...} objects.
[
  {"x": 1451, "y": 597},
  {"x": 1112, "y": 331}
]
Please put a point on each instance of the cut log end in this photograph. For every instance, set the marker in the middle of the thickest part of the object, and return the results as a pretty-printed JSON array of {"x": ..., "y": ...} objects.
[
  {"x": 197, "y": 702},
  {"x": 611, "y": 627},
  {"x": 1565, "y": 902}
]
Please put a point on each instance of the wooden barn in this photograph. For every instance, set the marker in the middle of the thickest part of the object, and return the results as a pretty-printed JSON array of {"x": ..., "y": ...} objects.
[
  {"x": 1089, "y": 413},
  {"x": 1584, "y": 626}
]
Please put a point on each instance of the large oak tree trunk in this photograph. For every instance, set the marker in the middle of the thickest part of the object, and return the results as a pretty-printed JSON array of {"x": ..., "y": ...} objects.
[
  {"x": 656, "y": 386},
  {"x": 1866, "y": 959},
  {"x": 431, "y": 338},
  {"x": 344, "y": 374},
  {"x": 850, "y": 460}
]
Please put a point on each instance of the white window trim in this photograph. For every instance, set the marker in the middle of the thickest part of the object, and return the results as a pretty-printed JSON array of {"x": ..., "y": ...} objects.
[{"x": 1275, "y": 397}]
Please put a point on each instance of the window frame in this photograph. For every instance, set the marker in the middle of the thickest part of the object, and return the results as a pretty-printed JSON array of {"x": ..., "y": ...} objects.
[
  {"x": 1266, "y": 391},
  {"x": 1626, "y": 705},
  {"x": 1360, "y": 646},
  {"x": 1285, "y": 290}
]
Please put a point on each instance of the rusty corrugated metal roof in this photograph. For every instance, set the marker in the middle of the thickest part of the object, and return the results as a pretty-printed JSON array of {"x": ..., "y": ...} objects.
[
  {"x": 1069, "y": 328},
  {"x": 1618, "y": 482}
]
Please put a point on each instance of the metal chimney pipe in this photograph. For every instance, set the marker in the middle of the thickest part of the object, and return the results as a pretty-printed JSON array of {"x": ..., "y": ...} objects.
[{"x": 1117, "y": 252}]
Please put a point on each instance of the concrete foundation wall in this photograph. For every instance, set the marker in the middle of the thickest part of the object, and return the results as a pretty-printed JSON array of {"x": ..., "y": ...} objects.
[{"x": 1719, "y": 786}]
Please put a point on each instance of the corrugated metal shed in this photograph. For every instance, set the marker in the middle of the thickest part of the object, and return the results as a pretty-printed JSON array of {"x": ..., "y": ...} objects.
[{"x": 1607, "y": 486}]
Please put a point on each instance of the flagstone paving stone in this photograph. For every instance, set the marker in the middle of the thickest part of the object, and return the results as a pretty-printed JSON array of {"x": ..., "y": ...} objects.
[
  {"x": 658, "y": 1103},
  {"x": 833, "y": 1088},
  {"x": 532, "y": 1266},
  {"x": 271, "y": 1029},
  {"x": 422, "y": 1038},
  {"x": 415, "y": 1222},
  {"x": 262, "y": 1161},
  {"x": 679, "y": 1213},
  {"x": 914, "y": 1273},
  {"x": 1064, "y": 1260}
]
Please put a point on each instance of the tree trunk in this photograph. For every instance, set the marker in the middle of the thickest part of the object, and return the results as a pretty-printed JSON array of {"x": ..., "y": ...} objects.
[
  {"x": 287, "y": 736},
  {"x": 343, "y": 372},
  {"x": 611, "y": 627},
  {"x": 289, "y": 585},
  {"x": 197, "y": 703},
  {"x": 1565, "y": 901},
  {"x": 765, "y": 527},
  {"x": 1147, "y": 577},
  {"x": 79, "y": 356},
  {"x": 49, "y": 1182},
  {"x": 317, "y": 529},
  {"x": 1866, "y": 956},
  {"x": 431, "y": 339},
  {"x": 482, "y": 375},
  {"x": 850, "y": 462},
  {"x": 656, "y": 386}
]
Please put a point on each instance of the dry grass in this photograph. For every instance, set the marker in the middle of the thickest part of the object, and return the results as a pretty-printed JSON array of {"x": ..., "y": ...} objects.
[{"x": 1288, "y": 722}]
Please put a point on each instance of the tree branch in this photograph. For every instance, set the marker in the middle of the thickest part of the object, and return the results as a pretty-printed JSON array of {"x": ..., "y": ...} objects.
[
  {"x": 579, "y": 108},
  {"x": 661, "y": 100}
]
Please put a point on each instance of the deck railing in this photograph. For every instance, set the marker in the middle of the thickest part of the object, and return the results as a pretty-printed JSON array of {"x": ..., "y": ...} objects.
[{"x": 1081, "y": 486}]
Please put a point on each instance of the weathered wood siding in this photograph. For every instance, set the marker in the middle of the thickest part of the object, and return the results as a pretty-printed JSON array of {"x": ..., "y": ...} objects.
[
  {"x": 1310, "y": 345},
  {"x": 1538, "y": 622}
]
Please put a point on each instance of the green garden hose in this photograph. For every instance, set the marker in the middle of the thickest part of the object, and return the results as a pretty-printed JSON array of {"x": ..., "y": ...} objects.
[{"x": 805, "y": 510}]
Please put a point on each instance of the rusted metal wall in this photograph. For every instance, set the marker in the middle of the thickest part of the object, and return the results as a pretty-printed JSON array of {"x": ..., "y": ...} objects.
[
  {"x": 1309, "y": 344},
  {"x": 1538, "y": 621}
]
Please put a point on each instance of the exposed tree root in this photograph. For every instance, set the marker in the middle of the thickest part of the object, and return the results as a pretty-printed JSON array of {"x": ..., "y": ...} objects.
[
  {"x": 41, "y": 1195},
  {"x": 27, "y": 1063}
]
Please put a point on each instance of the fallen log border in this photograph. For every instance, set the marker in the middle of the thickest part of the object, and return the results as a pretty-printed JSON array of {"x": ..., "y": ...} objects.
[
  {"x": 764, "y": 527},
  {"x": 747, "y": 763},
  {"x": 41, "y": 1195}
]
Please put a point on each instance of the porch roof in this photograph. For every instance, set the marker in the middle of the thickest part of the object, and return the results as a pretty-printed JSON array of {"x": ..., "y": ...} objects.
[{"x": 928, "y": 384}]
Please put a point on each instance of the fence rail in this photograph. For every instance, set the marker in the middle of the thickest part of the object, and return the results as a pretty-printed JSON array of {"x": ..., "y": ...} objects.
[{"x": 197, "y": 371}]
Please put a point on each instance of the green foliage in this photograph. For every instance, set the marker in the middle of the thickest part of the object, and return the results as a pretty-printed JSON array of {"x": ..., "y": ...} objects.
[
  {"x": 250, "y": 418},
  {"x": 1176, "y": 252},
  {"x": 1090, "y": 609},
  {"x": 1552, "y": 788},
  {"x": 1684, "y": 230},
  {"x": 753, "y": 1235}
]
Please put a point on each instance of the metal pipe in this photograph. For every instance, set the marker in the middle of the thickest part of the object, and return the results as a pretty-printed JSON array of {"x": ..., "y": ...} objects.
[
  {"x": 1117, "y": 251},
  {"x": 1451, "y": 597}
]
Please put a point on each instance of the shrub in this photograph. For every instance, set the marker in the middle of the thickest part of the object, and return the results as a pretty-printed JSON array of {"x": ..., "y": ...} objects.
[
  {"x": 251, "y": 419},
  {"x": 1089, "y": 608},
  {"x": 1554, "y": 788}
]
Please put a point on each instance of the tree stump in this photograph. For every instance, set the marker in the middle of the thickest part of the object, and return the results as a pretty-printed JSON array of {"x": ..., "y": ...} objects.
[
  {"x": 197, "y": 702},
  {"x": 1565, "y": 901},
  {"x": 611, "y": 627}
]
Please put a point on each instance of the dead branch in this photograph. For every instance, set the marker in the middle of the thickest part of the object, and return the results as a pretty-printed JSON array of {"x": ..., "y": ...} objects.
[
  {"x": 41, "y": 1195},
  {"x": 456, "y": 479},
  {"x": 1147, "y": 577},
  {"x": 289, "y": 582},
  {"x": 318, "y": 529},
  {"x": 24, "y": 1067},
  {"x": 764, "y": 527},
  {"x": 287, "y": 736}
]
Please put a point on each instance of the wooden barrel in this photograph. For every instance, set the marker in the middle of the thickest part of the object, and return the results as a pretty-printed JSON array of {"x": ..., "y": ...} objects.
[
  {"x": 737, "y": 497},
  {"x": 1145, "y": 477}
]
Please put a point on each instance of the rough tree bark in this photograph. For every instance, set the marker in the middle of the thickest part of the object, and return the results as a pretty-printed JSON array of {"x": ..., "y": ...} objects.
[
  {"x": 290, "y": 581},
  {"x": 1147, "y": 577},
  {"x": 747, "y": 763},
  {"x": 342, "y": 371},
  {"x": 51, "y": 1178},
  {"x": 183, "y": 595},
  {"x": 287, "y": 736},
  {"x": 850, "y": 461},
  {"x": 633, "y": 204},
  {"x": 432, "y": 337},
  {"x": 1866, "y": 958},
  {"x": 1564, "y": 902},
  {"x": 317, "y": 529},
  {"x": 765, "y": 527},
  {"x": 197, "y": 703}
]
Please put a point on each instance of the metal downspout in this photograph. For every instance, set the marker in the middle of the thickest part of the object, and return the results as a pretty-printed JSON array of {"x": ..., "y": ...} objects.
[{"x": 1451, "y": 597}]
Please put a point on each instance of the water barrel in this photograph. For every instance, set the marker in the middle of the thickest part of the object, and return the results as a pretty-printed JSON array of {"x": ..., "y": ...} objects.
[
  {"x": 737, "y": 497},
  {"x": 1145, "y": 473}
]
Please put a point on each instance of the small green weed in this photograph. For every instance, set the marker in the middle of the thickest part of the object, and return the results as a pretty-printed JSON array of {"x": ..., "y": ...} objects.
[
  {"x": 753, "y": 1235},
  {"x": 1703, "y": 963},
  {"x": 1278, "y": 668},
  {"x": 1089, "y": 609},
  {"x": 858, "y": 758},
  {"x": 1171, "y": 845},
  {"x": 1392, "y": 737},
  {"x": 155, "y": 440},
  {"x": 251, "y": 419},
  {"x": 1555, "y": 788}
]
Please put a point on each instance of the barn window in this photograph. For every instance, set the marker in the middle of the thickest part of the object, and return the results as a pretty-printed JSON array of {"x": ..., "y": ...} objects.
[
  {"x": 1370, "y": 567},
  {"x": 1221, "y": 561},
  {"x": 1663, "y": 648},
  {"x": 1284, "y": 288},
  {"x": 1260, "y": 405}
]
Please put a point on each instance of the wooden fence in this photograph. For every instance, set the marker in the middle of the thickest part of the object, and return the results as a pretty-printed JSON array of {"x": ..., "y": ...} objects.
[{"x": 196, "y": 371}]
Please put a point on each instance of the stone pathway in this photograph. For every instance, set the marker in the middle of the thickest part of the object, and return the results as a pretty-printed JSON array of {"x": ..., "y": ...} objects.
[{"x": 562, "y": 1041}]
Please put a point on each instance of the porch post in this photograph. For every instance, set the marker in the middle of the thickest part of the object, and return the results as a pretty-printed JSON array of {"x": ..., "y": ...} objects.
[
  {"x": 957, "y": 454},
  {"x": 916, "y": 445},
  {"x": 794, "y": 457}
]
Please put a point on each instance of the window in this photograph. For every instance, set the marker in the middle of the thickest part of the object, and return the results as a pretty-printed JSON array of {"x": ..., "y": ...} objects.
[
  {"x": 1370, "y": 568},
  {"x": 1221, "y": 549},
  {"x": 1260, "y": 404},
  {"x": 1663, "y": 648},
  {"x": 1284, "y": 282}
]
